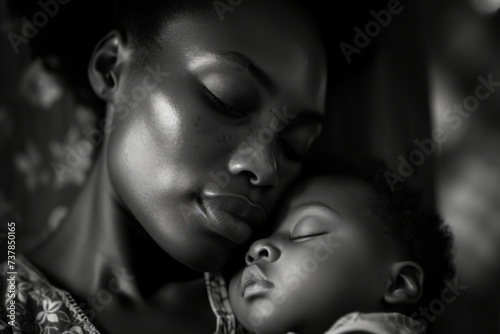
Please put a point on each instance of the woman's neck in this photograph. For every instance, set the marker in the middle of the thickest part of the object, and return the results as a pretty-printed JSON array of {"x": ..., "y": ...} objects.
[{"x": 100, "y": 241}]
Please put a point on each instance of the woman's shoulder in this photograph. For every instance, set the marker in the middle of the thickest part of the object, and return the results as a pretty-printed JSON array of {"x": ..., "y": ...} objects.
[{"x": 31, "y": 304}]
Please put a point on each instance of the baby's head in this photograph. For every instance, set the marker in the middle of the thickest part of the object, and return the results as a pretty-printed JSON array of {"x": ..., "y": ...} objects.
[{"x": 341, "y": 244}]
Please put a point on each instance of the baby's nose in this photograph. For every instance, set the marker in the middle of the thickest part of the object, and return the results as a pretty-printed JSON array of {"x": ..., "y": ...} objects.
[{"x": 262, "y": 250}]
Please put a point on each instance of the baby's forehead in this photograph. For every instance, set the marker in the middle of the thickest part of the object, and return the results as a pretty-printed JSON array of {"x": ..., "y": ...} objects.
[
  {"x": 342, "y": 194},
  {"x": 328, "y": 188}
]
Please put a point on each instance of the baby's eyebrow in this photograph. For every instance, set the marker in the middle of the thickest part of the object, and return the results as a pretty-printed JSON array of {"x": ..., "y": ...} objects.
[{"x": 319, "y": 205}]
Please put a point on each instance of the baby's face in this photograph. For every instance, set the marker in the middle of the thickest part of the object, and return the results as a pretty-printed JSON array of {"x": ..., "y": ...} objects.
[{"x": 322, "y": 261}]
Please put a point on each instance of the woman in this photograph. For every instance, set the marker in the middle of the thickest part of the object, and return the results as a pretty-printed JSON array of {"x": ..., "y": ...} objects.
[{"x": 211, "y": 108}]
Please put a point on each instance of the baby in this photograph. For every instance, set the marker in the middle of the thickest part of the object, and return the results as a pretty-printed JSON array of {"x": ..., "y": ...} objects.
[{"x": 345, "y": 251}]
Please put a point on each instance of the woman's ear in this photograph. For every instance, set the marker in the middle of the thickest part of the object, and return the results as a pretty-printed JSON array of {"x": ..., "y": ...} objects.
[
  {"x": 405, "y": 284},
  {"x": 105, "y": 65}
]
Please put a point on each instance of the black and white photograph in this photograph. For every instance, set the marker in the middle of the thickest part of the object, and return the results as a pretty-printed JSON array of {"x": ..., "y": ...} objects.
[{"x": 249, "y": 167}]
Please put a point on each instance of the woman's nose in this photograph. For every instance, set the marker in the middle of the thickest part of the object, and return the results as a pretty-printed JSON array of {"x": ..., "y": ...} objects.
[
  {"x": 257, "y": 161},
  {"x": 262, "y": 250}
]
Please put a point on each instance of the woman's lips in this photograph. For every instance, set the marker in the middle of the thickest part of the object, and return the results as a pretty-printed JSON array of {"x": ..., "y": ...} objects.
[
  {"x": 232, "y": 216},
  {"x": 254, "y": 282}
]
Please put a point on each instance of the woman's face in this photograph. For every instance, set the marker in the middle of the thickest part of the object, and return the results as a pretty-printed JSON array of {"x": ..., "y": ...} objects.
[{"x": 218, "y": 123}]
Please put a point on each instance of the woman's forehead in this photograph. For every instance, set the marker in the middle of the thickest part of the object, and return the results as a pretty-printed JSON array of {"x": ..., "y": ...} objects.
[{"x": 280, "y": 40}]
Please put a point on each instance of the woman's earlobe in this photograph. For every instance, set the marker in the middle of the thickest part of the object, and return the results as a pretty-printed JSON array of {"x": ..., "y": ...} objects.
[
  {"x": 405, "y": 285},
  {"x": 105, "y": 65}
]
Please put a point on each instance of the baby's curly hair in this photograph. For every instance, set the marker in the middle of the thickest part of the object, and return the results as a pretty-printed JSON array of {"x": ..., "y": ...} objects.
[{"x": 414, "y": 232}]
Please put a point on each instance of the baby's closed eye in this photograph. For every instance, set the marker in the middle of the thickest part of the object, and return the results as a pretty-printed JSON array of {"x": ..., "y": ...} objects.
[{"x": 307, "y": 229}]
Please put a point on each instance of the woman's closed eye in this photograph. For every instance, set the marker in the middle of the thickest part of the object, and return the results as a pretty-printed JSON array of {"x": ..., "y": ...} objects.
[
  {"x": 290, "y": 152},
  {"x": 296, "y": 140},
  {"x": 220, "y": 105}
]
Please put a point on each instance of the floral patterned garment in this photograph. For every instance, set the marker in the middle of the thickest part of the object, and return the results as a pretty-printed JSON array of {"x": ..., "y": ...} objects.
[{"x": 42, "y": 308}]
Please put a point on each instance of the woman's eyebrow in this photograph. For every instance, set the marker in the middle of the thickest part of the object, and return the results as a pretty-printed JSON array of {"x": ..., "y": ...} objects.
[{"x": 262, "y": 77}]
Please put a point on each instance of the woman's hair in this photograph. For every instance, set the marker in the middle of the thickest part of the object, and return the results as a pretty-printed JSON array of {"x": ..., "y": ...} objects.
[{"x": 66, "y": 42}]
